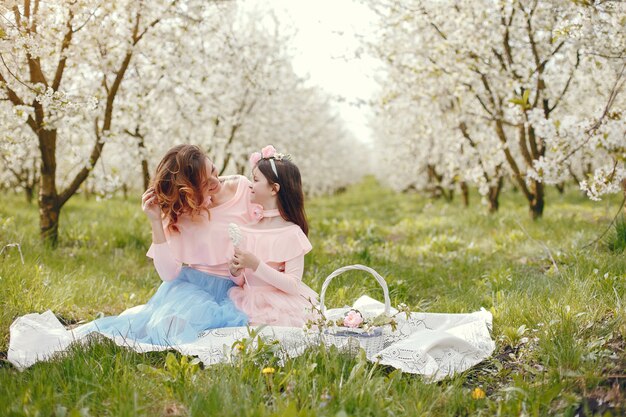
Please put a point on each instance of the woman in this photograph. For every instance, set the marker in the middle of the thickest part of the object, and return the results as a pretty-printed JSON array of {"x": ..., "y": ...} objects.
[{"x": 189, "y": 208}]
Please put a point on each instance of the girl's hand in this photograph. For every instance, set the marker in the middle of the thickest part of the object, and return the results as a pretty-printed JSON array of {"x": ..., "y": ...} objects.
[
  {"x": 234, "y": 271},
  {"x": 245, "y": 259},
  {"x": 150, "y": 206}
]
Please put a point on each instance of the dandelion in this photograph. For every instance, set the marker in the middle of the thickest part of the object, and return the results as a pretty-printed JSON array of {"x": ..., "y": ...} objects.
[
  {"x": 478, "y": 394},
  {"x": 268, "y": 371}
]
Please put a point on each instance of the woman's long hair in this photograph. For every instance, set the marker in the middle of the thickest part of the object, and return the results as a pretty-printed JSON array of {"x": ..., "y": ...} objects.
[
  {"x": 179, "y": 183},
  {"x": 290, "y": 195}
]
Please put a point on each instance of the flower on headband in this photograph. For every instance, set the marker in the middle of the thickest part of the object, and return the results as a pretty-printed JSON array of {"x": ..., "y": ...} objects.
[
  {"x": 255, "y": 158},
  {"x": 268, "y": 152}
]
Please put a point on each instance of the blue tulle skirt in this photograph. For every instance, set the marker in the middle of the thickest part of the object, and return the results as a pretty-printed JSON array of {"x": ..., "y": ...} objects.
[{"x": 177, "y": 313}]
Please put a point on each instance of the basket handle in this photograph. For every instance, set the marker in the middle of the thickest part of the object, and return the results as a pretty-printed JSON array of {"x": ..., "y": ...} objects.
[{"x": 341, "y": 270}]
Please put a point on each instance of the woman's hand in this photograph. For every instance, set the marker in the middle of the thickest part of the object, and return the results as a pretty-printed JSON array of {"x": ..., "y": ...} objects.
[
  {"x": 150, "y": 206},
  {"x": 245, "y": 259}
]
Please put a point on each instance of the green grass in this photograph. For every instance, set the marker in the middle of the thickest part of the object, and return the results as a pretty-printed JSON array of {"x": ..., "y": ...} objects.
[
  {"x": 616, "y": 240},
  {"x": 559, "y": 311}
]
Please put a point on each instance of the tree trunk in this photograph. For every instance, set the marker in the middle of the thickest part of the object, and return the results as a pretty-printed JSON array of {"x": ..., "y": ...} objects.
[
  {"x": 49, "y": 221},
  {"x": 144, "y": 162},
  {"x": 28, "y": 193},
  {"x": 560, "y": 187},
  {"x": 437, "y": 191},
  {"x": 465, "y": 193},
  {"x": 51, "y": 200},
  {"x": 450, "y": 197},
  {"x": 49, "y": 207},
  {"x": 536, "y": 203},
  {"x": 145, "y": 173},
  {"x": 624, "y": 190},
  {"x": 241, "y": 168},
  {"x": 31, "y": 182},
  {"x": 85, "y": 191},
  {"x": 494, "y": 204},
  {"x": 494, "y": 195}
]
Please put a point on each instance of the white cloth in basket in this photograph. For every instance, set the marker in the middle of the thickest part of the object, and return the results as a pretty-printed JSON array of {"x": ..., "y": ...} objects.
[{"x": 430, "y": 344}]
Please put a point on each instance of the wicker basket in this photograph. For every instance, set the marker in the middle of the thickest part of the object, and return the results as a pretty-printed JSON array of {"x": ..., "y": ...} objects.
[{"x": 371, "y": 340}]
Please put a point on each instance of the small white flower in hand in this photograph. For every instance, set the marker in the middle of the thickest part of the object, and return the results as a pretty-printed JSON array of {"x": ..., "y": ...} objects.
[{"x": 235, "y": 234}]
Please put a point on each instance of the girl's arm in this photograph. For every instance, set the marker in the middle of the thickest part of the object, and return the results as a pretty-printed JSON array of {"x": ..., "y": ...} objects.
[
  {"x": 236, "y": 274},
  {"x": 288, "y": 281}
]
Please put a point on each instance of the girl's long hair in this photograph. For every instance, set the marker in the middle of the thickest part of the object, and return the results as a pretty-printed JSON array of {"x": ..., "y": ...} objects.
[
  {"x": 179, "y": 183},
  {"x": 290, "y": 195}
]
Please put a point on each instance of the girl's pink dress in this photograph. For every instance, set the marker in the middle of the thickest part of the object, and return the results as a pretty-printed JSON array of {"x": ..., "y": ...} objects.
[{"x": 274, "y": 294}]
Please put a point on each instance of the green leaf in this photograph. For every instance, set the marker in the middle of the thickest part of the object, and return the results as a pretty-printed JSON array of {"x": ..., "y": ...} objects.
[
  {"x": 170, "y": 362},
  {"x": 148, "y": 370}
]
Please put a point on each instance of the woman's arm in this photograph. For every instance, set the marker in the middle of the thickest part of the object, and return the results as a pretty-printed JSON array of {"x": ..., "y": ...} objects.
[
  {"x": 164, "y": 262},
  {"x": 158, "y": 234}
]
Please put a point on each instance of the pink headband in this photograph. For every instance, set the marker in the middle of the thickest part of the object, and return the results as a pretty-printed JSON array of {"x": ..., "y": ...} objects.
[{"x": 268, "y": 152}]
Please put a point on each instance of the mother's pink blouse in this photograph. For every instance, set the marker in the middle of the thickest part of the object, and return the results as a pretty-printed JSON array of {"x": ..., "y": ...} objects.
[{"x": 203, "y": 242}]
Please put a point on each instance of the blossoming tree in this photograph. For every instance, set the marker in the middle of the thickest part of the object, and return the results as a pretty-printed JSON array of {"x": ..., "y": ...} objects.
[
  {"x": 479, "y": 81},
  {"x": 97, "y": 91},
  {"x": 63, "y": 64}
]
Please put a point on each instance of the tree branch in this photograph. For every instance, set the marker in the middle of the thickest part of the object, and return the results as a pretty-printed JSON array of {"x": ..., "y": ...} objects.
[
  {"x": 17, "y": 101},
  {"x": 466, "y": 135},
  {"x": 67, "y": 39},
  {"x": 108, "y": 117},
  {"x": 507, "y": 153},
  {"x": 522, "y": 144},
  {"x": 617, "y": 86},
  {"x": 567, "y": 84}
]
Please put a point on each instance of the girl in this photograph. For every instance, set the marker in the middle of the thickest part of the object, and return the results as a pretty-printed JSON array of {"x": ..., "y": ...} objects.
[{"x": 269, "y": 263}]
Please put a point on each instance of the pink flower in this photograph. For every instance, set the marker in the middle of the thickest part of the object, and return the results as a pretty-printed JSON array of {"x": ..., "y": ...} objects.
[
  {"x": 255, "y": 158},
  {"x": 268, "y": 151},
  {"x": 353, "y": 319},
  {"x": 257, "y": 211}
]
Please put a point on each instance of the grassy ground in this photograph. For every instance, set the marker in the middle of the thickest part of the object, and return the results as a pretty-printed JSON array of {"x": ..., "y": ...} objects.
[{"x": 559, "y": 311}]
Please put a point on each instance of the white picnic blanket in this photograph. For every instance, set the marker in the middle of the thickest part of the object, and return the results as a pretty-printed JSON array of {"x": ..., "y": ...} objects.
[{"x": 434, "y": 345}]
